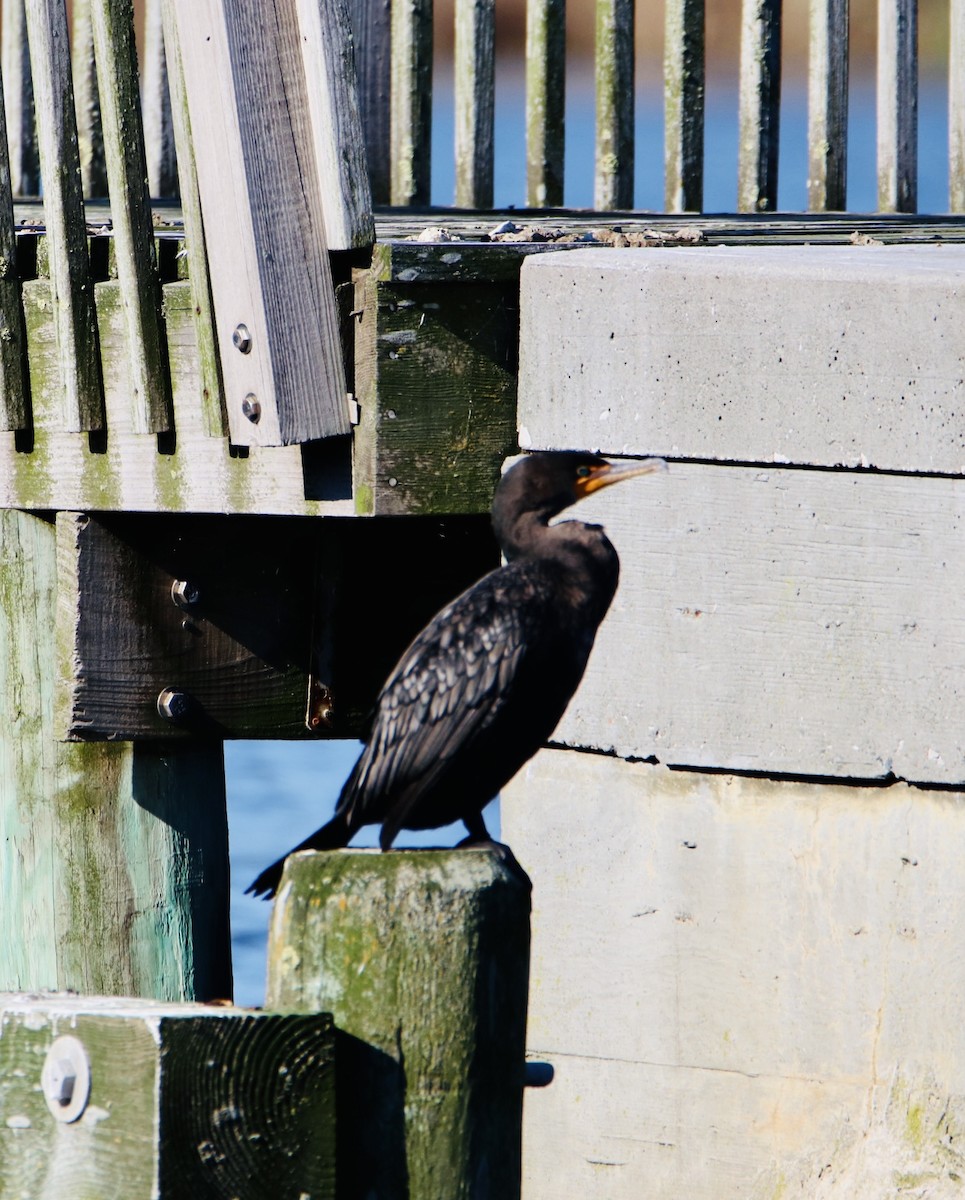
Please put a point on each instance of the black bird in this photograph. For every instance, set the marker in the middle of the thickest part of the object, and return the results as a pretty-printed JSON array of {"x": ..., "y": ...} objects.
[{"x": 484, "y": 685}]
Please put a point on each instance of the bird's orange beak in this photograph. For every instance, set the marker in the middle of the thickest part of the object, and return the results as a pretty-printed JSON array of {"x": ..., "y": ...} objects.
[{"x": 603, "y": 476}]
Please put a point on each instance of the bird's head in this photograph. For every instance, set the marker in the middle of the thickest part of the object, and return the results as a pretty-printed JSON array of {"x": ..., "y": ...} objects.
[{"x": 541, "y": 485}]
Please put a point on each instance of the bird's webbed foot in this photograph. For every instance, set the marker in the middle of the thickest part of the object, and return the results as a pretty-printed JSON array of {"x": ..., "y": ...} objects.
[{"x": 501, "y": 851}]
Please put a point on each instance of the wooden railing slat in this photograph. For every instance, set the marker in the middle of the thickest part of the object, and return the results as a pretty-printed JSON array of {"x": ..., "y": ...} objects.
[
  {"x": 18, "y": 99},
  {"x": 684, "y": 106},
  {"x": 956, "y": 106},
  {"x": 828, "y": 106},
  {"x": 411, "y": 106},
  {"x": 14, "y": 387},
  {"x": 326, "y": 40},
  {"x": 545, "y": 101},
  {"x": 897, "y": 105},
  {"x": 87, "y": 106},
  {"x": 613, "y": 186},
  {"x": 760, "y": 102},
  {"x": 371, "y": 26},
  {"x": 72, "y": 293},
  {"x": 117, "y": 77},
  {"x": 162, "y": 162},
  {"x": 475, "y": 84}
]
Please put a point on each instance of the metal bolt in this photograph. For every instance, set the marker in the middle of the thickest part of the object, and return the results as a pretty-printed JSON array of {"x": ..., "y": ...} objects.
[
  {"x": 173, "y": 705},
  {"x": 184, "y": 593},
  {"x": 241, "y": 339},
  {"x": 251, "y": 408},
  {"x": 65, "y": 1079}
]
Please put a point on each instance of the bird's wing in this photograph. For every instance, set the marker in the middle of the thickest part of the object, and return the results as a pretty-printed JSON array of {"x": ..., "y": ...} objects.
[{"x": 448, "y": 687}]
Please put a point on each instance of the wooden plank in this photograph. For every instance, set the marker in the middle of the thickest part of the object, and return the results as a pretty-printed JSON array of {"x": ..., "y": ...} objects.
[
  {"x": 760, "y": 105},
  {"x": 430, "y": 1002},
  {"x": 339, "y": 141},
  {"x": 18, "y": 98},
  {"x": 956, "y": 106},
  {"x": 545, "y": 101},
  {"x": 72, "y": 293},
  {"x": 614, "y": 160},
  {"x": 114, "y": 857},
  {"x": 436, "y": 388},
  {"x": 179, "y": 1100},
  {"x": 270, "y": 276},
  {"x": 14, "y": 379},
  {"x": 825, "y": 356},
  {"x": 161, "y": 152},
  {"x": 371, "y": 27},
  {"x": 411, "y": 105},
  {"x": 212, "y": 395},
  {"x": 475, "y": 84},
  {"x": 704, "y": 917},
  {"x": 87, "y": 105},
  {"x": 683, "y": 75},
  {"x": 131, "y": 218},
  {"x": 792, "y": 622},
  {"x": 897, "y": 105},
  {"x": 828, "y": 106}
]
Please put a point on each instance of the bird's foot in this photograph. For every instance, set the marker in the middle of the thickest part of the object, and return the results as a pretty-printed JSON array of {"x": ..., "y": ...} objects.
[{"x": 501, "y": 851}]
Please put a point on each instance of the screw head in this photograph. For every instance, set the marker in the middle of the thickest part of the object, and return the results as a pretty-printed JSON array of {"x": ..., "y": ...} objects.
[
  {"x": 173, "y": 705},
  {"x": 184, "y": 593},
  {"x": 65, "y": 1079},
  {"x": 241, "y": 339},
  {"x": 251, "y": 408}
]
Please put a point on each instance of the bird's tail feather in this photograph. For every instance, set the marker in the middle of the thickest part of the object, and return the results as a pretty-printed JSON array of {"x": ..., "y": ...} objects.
[{"x": 332, "y": 836}]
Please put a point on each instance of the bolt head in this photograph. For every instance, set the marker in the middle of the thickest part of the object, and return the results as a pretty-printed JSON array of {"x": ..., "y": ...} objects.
[
  {"x": 184, "y": 593},
  {"x": 173, "y": 705},
  {"x": 251, "y": 407},
  {"x": 241, "y": 339},
  {"x": 61, "y": 1081},
  {"x": 65, "y": 1079}
]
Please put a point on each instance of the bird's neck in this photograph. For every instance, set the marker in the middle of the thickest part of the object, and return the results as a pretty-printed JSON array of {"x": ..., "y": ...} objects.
[{"x": 582, "y": 555}]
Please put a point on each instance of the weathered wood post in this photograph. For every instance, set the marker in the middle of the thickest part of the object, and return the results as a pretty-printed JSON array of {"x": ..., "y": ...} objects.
[{"x": 422, "y": 957}]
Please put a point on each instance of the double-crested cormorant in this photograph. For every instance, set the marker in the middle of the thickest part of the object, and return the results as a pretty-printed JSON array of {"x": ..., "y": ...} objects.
[{"x": 484, "y": 685}]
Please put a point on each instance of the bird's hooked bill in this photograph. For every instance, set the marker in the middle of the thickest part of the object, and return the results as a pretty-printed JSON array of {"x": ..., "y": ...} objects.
[{"x": 608, "y": 473}]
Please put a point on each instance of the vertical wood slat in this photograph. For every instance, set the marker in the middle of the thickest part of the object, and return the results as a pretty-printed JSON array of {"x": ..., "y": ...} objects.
[
  {"x": 760, "y": 102},
  {"x": 162, "y": 162},
  {"x": 475, "y": 78},
  {"x": 371, "y": 27},
  {"x": 117, "y": 78},
  {"x": 90, "y": 135},
  {"x": 339, "y": 142},
  {"x": 828, "y": 106},
  {"x": 18, "y": 97},
  {"x": 956, "y": 106},
  {"x": 209, "y": 365},
  {"x": 545, "y": 101},
  {"x": 613, "y": 187},
  {"x": 72, "y": 292},
  {"x": 14, "y": 386},
  {"x": 411, "y": 104},
  {"x": 897, "y": 105},
  {"x": 271, "y": 281},
  {"x": 684, "y": 106}
]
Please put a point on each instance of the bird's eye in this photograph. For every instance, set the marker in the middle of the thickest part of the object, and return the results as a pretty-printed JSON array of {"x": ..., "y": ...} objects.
[{"x": 582, "y": 472}]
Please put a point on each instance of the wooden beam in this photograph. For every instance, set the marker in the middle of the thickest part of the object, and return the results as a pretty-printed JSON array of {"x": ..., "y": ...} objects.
[
  {"x": 264, "y": 222},
  {"x": 164, "y": 1100},
  {"x": 423, "y": 960}
]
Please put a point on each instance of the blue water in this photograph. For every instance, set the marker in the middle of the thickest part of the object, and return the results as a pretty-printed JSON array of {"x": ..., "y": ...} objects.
[{"x": 278, "y": 792}]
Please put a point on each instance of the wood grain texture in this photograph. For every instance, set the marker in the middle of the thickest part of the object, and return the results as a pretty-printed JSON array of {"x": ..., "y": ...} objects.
[
  {"x": 683, "y": 81},
  {"x": 843, "y": 356},
  {"x": 371, "y": 27},
  {"x": 266, "y": 250},
  {"x": 336, "y": 122},
  {"x": 160, "y": 149},
  {"x": 744, "y": 986},
  {"x": 114, "y": 857},
  {"x": 186, "y": 1101},
  {"x": 87, "y": 104},
  {"x": 475, "y": 96},
  {"x": 72, "y": 299},
  {"x": 545, "y": 101},
  {"x": 18, "y": 98},
  {"x": 411, "y": 102},
  {"x": 131, "y": 217},
  {"x": 828, "y": 105},
  {"x": 781, "y": 621},
  {"x": 760, "y": 105},
  {"x": 14, "y": 377},
  {"x": 436, "y": 388},
  {"x": 423, "y": 961},
  {"x": 956, "y": 106},
  {"x": 897, "y": 106},
  {"x": 614, "y": 65}
]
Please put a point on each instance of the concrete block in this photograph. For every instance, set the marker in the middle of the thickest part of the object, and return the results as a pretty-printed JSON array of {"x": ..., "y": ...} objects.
[
  {"x": 781, "y": 621},
  {"x": 787, "y": 354},
  {"x": 747, "y": 987}
]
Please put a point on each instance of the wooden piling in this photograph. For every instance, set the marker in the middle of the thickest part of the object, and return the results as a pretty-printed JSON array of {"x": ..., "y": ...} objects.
[{"x": 423, "y": 960}]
